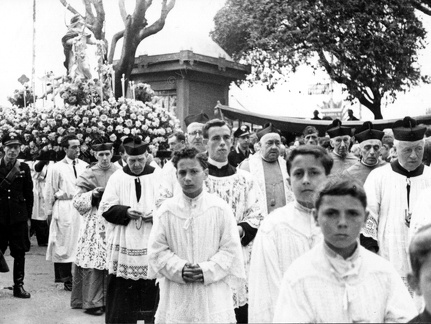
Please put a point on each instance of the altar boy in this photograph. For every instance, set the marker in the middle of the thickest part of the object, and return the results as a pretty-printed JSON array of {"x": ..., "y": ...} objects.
[{"x": 339, "y": 281}]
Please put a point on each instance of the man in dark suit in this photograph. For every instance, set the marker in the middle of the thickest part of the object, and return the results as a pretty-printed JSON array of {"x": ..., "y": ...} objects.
[{"x": 16, "y": 204}]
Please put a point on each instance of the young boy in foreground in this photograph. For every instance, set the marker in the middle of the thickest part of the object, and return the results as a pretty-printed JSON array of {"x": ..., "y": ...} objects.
[
  {"x": 286, "y": 233},
  {"x": 420, "y": 277},
  {"x": 338, "y": 280},
  {"x": 195, "y": 250}
]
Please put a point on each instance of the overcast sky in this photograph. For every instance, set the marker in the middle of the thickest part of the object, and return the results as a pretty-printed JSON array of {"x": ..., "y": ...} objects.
[{"x": 190, "y": 22}]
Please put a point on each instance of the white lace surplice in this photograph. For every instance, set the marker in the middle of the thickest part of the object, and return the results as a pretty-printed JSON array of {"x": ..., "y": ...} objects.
[
  {"x": 127, "y": 245},
  {"x": 202, "y": 231},
  {"x": 91, "y": 252},
  {"x": 322, "y": 288},
  {"x": 387, "y": 201},
  {"x": 283, "y": 236},
  {"x": 242, "y": 194}
]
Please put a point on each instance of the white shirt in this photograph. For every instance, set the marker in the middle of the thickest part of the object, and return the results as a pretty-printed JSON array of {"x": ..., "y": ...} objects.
[
  {"x": 283, "y": 236},
  {"x": 322, "y": 287},
  {"x": 199, "y": 231}
]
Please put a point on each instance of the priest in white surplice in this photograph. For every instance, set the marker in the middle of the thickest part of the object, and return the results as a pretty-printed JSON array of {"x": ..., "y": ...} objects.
[
  {"x": 338, "y": 281},
  {"x": 127, "y": 205},
  {"x": 195, "y": 250},
  {"x": 241, "y": 192},
  {"x": 286, "y": 233},
  {"x": 60, "y": 188},
  {"x": 270, "y": 169},
  {"x": 393, "y": 192}
]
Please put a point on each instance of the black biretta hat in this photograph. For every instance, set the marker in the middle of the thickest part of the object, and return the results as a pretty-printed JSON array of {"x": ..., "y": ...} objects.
[
  {"x": 407, "y": 130},
  {"x": 134, "y": 146},
  {"x": 199, "y": 118},
  {"x": 268, "y": 129},
  {"x": 367, "y": 132},
  {"x": 336, "y": 129}
]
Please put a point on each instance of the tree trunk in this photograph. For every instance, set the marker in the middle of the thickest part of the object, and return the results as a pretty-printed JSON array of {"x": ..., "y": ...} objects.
[{"x": 375, "y": 108}]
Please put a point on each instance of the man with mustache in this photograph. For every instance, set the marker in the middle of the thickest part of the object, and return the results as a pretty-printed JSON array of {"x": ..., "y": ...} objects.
[
  {"x": 393, "y": 193},
  {"x": 340, "y": 142},
  {"x": 370, "y": 143},
  {"x": 270, "y": 169}
]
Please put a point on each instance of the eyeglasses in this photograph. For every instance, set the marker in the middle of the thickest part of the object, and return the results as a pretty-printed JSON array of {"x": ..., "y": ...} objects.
[{"x": 196, "y": 132}]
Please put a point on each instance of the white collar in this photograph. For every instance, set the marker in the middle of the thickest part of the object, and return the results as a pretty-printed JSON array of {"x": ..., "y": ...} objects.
[
  {"x": 70, "y": 161},
  {"x": 219, "y": 165}
]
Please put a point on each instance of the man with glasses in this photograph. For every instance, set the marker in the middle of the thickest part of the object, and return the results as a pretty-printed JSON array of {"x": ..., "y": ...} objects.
[
  {"x": 194, "y": 124},
  {"x": 169, "y": 184},
  {"x": 242, "y": 149},
  {"x": 64, "y": 219}
]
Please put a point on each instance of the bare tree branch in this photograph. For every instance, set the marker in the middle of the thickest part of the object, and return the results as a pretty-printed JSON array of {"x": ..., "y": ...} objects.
[
  {"x": 114, "y": 41},
  {"x": 123, "y": 11},
  {"x": 159, "y": 23}
]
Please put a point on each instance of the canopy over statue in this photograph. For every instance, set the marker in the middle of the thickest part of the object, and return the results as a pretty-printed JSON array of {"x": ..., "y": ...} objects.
[{"x": 81, "y": 60}]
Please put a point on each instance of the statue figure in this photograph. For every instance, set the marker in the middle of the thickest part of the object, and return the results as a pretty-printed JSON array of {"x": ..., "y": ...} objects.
[{"x": 75, "y": 42}]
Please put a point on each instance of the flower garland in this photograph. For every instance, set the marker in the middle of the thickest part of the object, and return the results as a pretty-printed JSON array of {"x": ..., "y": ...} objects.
[{"x": 85, "y": 115}]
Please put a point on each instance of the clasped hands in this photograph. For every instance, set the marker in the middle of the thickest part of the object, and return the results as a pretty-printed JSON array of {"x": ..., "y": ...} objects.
[
  {"x": 136, "y": 214},
  {"x": 192, "y": 273}
]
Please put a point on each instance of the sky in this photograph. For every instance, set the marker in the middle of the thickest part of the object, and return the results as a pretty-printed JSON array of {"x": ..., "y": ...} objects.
[{"x": 187, "y": 27}]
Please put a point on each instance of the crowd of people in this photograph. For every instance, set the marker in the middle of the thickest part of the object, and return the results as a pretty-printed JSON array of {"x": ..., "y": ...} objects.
[{"x": 332, "y": 228}]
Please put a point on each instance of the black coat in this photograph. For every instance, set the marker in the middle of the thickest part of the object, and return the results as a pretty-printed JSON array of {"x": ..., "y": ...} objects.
[{"x": 16, "y": 202}]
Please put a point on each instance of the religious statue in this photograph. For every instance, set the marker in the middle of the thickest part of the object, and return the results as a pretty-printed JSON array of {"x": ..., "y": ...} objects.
[{"x": 78, "y": 61}]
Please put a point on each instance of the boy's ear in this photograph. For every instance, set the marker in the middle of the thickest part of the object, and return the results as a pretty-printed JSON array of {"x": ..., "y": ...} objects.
[
  {"x": 206, "y": 173},
  {"x": 314, "y": 212},
  {"x": 414, "y": 283}
]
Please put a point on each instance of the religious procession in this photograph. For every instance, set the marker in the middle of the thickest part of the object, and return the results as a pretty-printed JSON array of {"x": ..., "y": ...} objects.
[{"x": 154, "y": 201}]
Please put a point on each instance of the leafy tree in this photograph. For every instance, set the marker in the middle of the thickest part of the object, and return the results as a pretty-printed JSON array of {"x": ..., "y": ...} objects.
[
  {"x": 368, "y": 46},
  {"x": 136, "y": 29}
]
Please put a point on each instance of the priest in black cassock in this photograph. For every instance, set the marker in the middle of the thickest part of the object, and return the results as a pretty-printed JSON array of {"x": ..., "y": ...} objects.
[{"x": 127, "y": 205}]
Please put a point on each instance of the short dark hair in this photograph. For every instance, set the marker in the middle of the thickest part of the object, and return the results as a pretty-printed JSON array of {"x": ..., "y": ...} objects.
[
  {"x": 65, "y": 140},
  {"x": 178, "y": 135},
  {"x": 214, "y": 123},
  {"x": 190, "y": 153},
  {"x": 420, "y": 248},
  {"x": 341, "y": 186},
  {"x": 318, "y": 152}
]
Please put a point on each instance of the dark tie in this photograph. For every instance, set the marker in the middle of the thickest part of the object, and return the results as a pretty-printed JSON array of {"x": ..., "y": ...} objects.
[
  {"x": 9, "y": 166},
  {"x": 74, "y": 169},
  {"x": 138, "y": 189}
]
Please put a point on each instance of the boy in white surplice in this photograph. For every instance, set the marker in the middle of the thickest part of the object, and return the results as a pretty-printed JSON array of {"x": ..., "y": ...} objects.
[
  {"x": 195, "y": 250},
  {"x": 339, "y": 281}
]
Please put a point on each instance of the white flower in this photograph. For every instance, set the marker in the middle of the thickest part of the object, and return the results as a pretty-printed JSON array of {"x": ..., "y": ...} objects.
[{"x": 126, "y": 131}]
